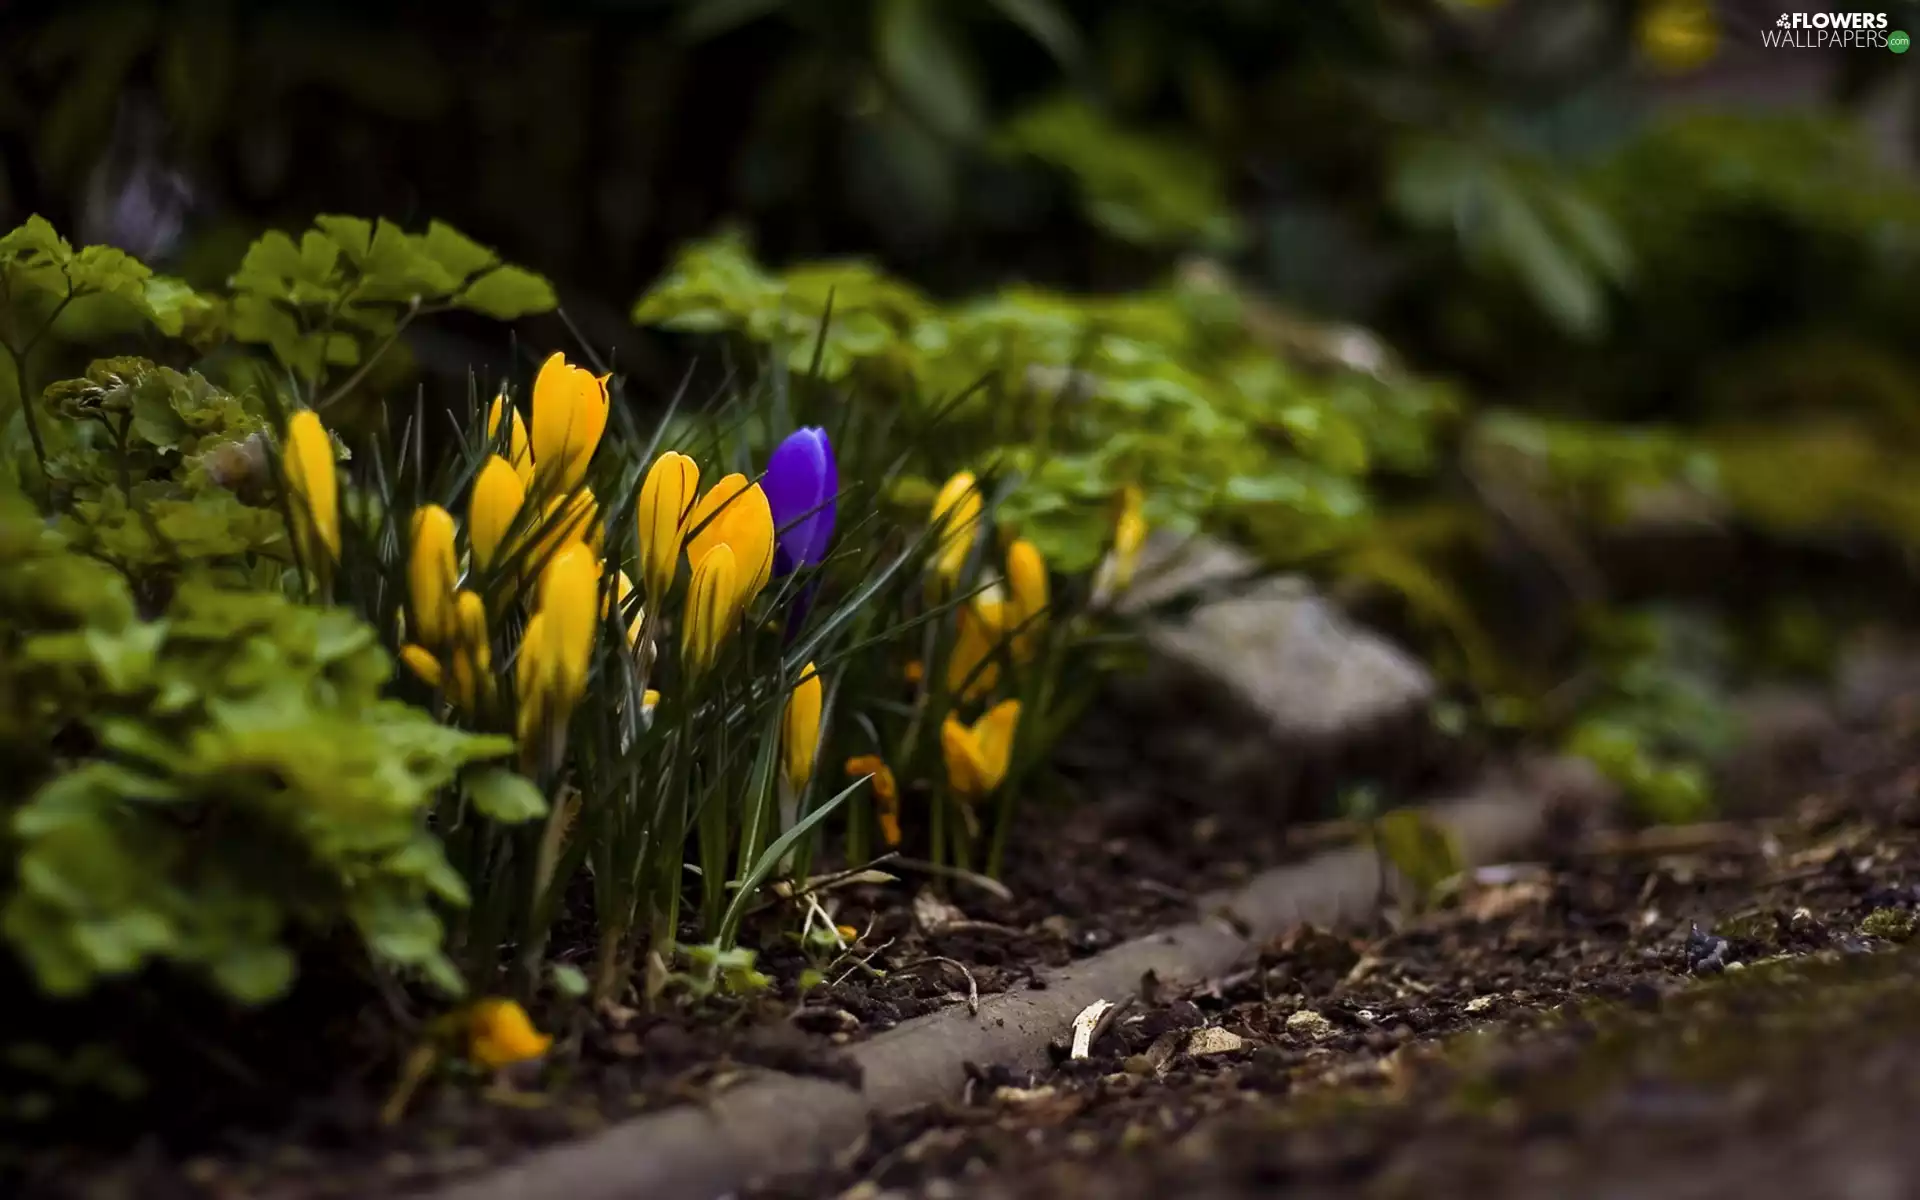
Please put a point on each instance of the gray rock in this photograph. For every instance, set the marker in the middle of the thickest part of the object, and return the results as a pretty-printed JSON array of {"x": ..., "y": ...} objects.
[{"x": 1263, "y": 679}]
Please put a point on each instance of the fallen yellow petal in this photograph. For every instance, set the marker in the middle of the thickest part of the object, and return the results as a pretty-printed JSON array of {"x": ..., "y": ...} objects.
[{"x": 500, "y": 1034}]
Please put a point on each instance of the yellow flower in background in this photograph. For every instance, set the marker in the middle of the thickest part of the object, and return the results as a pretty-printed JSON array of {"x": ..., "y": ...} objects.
[
  {"x": 1025, "y": 610},
  {"x": 956, "y": 511},
  {"x": 519, "y": 449},
  {"x": 498, "y": 494},
  {"x": 470, "y": 659},
  {"x": 971, "y": 671},
  {"x": 1678, "y": 35},
  {"x": 709, "y": 612},
  {"x": 800, "y": 729},
  {"x": 569, "y": 416},
  {"x": 977, "y": 755},
  {"x": 1129, "y": 535},
  {"x": 313, "y": 489},
  {"x": 666, "y": 501},
  {"x": 886, "y": 794},
  {"x": 735, "y": 514},
  {"x": 432, "y": 575},
  {"x": 500, "y": 1034},
  {"x": 422, "y": 663}
]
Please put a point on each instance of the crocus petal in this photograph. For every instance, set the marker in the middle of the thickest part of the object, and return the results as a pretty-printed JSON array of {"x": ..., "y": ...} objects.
[
  {"x": 313, "y": 488},
  {"x": 966, "y": 768},
  {"x": 431, "y": 576},
  {"x": 801, "y": 482},
  {"x": 519, "y": 449},
  {"x": 497, "y": 497},
  {"x": 472, "y": 656},
  {"x": 1027, "y": 583},
  {"x": 500, "y": 1034},
  {"x": 569, "y": 415},
  {"x": 531, "y": 675},
  {"x": 623, "y": 588},
  {"x": 568, "y": 519},
  {"x": 709, "y": 612},
  {"x": 422, "y": 663},
  {"x": 569, "y": 599},
  {"x": 993, "y": 734},
  {"x": 666, "y": 501},
  {"x": 735, "y": 514},
  {"x": 971, "y": 671},
  {"x": 956, "y": 511},
  {"x": 800, "y": 729},
  {"x": 1129, "y": 535},
  {"x": 886, "y": 795}
]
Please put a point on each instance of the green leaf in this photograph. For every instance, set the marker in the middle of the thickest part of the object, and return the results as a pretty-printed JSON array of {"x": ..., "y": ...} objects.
[
  {"x": 568, "y": 980},
  {"x": 771, "y": 858},
  {"x": 920, "y": 54},
  {"x": 254, "y": 973},
  {"x": 502, "y": 795},
  {"x": 459, "y": 254},
  {"x": 1046, "y": 24},
  {"x": 507, "y": 292},
  {"x": 354, "y": 235},
  {"x": 1420, "y": 849}
]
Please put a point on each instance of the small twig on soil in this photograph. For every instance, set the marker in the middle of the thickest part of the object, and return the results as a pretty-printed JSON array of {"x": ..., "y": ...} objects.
[
  {"x": 971, "y": 926},
  {"x": 973, "y": 989},
  {"x": 993, "y": 887},
  {"x": 864, "y": 964}
]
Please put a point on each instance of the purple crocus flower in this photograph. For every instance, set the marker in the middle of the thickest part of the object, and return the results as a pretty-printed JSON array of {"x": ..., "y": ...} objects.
[{"x": 800, "y": 484}]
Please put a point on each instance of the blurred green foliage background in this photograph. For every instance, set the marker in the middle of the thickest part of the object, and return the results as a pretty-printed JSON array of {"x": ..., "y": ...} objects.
[{"x": 1568, "y": 313}]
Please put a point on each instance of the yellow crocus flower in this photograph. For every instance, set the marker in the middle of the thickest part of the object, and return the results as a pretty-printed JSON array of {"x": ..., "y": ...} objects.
[
  {"x": 666, "y": 501},
  {"x": 498, "y": 494},
  {"x": 971, "y": 671},
  {"x": 519, "y": 449},
  {"x": 470, "y": 659},
  {"x": 500, "y": 1034},
  {"x": 422, "y": 663},
  {"x": 569, "y": 416},
  {"x": 569, "y": 596},
  {"x": 956, "y": 511},
  {"x": 313, "y": 490},
  {"x": 977, "y": 755},
  {"x": 556, "y": 649},
  {"x": 886, "y": 794},
  {"x": 1678, "y": 35},
  {"x": 735, "y": 514},
  {"x": 1026, "y": 608},
  {"x": 432, "y": 575},
  {"x": 800, "y": 729},
  {"x": 1129, "y": 536},
  {"x": 623, "y": 588},
  {"x": 709, "y": 612},
  {"x": 567, "y": 519},
  {"x": 532, "y": 674}
]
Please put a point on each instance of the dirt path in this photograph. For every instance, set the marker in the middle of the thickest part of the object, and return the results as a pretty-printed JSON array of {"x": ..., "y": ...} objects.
[{"x": 1556, "y": 1029}]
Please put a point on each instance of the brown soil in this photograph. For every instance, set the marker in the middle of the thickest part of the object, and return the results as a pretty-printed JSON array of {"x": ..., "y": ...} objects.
[
  {"x": 1130, "y": 845},
  {"x": 1721, "y": 1010}
]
